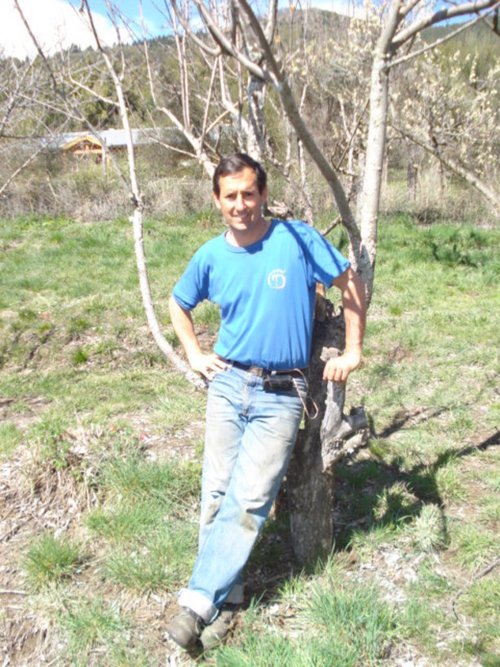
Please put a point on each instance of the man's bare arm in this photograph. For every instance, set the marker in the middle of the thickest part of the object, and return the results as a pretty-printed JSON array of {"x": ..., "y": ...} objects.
[
  {"x": 206, "y": 364},
  {"x": 354, "y": 305}
]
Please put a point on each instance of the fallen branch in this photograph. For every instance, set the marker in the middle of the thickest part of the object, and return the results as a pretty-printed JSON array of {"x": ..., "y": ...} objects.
[
  {"x": 14, "y": 530},
  {"x": 478, "y": 576}
]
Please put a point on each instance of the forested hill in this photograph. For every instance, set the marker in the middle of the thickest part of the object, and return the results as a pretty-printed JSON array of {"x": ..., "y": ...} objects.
[
  {"x": 296, "y": 30},
  {"x": 480, "y": 40}
]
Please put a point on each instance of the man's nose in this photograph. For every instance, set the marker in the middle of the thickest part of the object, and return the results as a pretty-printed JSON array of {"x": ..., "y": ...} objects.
[{"x": 240, "y": 202}]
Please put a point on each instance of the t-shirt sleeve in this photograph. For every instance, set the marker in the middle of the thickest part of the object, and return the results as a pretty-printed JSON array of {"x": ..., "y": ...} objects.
[
  {"x": 192, "y": 287},
  {"x": 327, "y": 263}
]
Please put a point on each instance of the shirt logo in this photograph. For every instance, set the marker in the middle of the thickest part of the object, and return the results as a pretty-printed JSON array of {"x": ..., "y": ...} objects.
[{"x": 277, "y": 279}]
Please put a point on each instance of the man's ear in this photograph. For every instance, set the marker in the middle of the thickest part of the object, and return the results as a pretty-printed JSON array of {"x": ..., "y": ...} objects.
[
  {"x": 216, "y": 200},
  {"x": 264, "y": 195}
]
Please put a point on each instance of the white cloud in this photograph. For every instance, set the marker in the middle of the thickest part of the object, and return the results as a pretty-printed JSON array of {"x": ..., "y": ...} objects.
[{"x": 55, "y": 24}]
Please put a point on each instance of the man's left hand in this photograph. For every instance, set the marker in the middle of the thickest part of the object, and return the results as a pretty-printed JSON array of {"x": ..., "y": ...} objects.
[{"x": 338, "y": 369}]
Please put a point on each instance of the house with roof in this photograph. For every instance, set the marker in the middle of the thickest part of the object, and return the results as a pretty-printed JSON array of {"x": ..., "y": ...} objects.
[{"x": 96, "y": 145}]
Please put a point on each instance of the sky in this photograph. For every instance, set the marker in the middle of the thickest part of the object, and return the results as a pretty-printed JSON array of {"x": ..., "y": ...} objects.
[{"x": 58, "y": 24}]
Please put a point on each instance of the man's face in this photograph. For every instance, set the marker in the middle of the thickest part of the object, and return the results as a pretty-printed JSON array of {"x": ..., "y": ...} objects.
[{"x": 240, "y": 201}]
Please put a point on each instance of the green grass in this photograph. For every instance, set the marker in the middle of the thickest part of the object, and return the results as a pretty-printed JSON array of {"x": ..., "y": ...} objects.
[
  {"x": 50, "y": 437},
  {"x": 157, "y": 562},
  {"x": 431, "y": 583},
  {"x": 10, "y": 437},
  {"x": 171, "y": 487},
  {"x": 96, "y": 626},
  {"x": 85, "y": 391},
  {"x": 482, "y": 602},
  {"x": 429, "y": 529},
  {"x": 357, "y": 625},
  {"x": 420, "y": 621},
  {"x": 473, "y": 547},
  {"x": 344, "y": 624},
  {"x": 449, "y": 483},
  {"x": 51, "y": 560},
  {"x": 124, "y": 523},
  {"x": 145, "y": 520}
]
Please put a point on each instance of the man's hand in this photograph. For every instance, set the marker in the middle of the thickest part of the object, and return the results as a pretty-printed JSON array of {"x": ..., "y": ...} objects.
[
  {"x": 352, "y": 288},
  {"x": 207, "y": 364},
  {"x": 338, "y": 368}
]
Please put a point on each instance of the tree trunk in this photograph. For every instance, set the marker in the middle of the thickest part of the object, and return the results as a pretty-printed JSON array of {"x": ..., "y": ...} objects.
[
  {"x": 412, "y": 177},
  {"x": 256, "y": 139},
  {"x": 326, "y": 438},
  {"x": 154, "y": 326},
  {"x": 372, "y": 178}
]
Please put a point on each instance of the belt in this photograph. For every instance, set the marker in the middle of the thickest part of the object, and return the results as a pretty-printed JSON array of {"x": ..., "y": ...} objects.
[{"x": 262, "y": 372}]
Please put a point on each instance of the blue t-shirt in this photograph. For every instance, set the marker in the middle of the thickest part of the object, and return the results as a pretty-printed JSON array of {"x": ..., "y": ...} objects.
[{"x": 266, "y": 292}]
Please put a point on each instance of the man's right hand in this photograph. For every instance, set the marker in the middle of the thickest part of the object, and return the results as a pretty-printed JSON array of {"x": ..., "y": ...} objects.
[{"x": 207, "y": 364}]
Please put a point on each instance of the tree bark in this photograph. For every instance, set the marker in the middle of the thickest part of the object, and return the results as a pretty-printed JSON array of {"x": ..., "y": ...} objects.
[
  {"x": 256, "y": 139},
  {"x": 326, "y": 438},
  {"x": 372, "y": 181}
]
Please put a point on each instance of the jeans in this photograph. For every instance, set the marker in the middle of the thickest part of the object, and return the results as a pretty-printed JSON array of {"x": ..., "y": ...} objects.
[{"x": 250, "y": 435}]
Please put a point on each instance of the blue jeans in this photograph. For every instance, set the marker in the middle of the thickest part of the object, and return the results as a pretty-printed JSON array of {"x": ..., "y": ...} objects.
[{"x": 250, "y": 435}]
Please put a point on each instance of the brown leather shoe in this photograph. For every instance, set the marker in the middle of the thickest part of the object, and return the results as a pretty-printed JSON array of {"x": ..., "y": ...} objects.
[
  {"x": 185, "y": 628},
  {"x": 215, "y": 632}
]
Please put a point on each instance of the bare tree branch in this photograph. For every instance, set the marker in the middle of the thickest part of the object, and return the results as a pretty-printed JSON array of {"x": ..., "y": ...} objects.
[
  {"x": 93, "y": 92},
  {"x": 406, "y": 9},
  {"x": 225, "y": 44},
  {"x": 208, "y": 99},
  {"x": 490, "y": 195},
  {"x": 441, "y": 15},
  {"x": 137, "y": 221},
  {"x": 36, "y": 44},
  {"x": 352, "y": 134},
  {"x": 272, "y": 16},
  {"x": 13, "y": 97},
  {"x": 135, "y": 191},
  {"x": 265, "y": 45},
  {"x": 193, "y": 36},
  {"x": 21, "y": 167},
  {"x": 281, "y": 84},
  {"x": 438, "y": 42}
]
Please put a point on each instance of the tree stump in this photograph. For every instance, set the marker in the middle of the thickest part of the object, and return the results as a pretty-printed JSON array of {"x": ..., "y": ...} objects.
[{"x": 326, "y": 438}]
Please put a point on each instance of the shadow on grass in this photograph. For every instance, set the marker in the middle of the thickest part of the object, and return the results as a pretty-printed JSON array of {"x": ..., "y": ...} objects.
[
  {"x": 370, "y": 494},
  {"x": 361, "y": 485}
]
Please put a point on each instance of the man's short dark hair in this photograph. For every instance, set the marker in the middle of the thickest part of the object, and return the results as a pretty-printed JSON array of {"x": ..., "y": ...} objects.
[{"x": 232, "y": 164}]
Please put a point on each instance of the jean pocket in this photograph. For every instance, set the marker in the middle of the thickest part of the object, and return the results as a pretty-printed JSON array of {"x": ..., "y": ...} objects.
[
  {"x": 222, "y": 378},
  {"x": 214, "y": 377}
]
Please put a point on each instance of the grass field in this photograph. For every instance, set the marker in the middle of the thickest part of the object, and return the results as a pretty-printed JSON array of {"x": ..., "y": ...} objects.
[{"x": 100, "y": 449}]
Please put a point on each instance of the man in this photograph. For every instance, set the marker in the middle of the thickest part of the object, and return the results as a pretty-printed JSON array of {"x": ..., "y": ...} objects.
[{"x": 262, "y": 273}]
